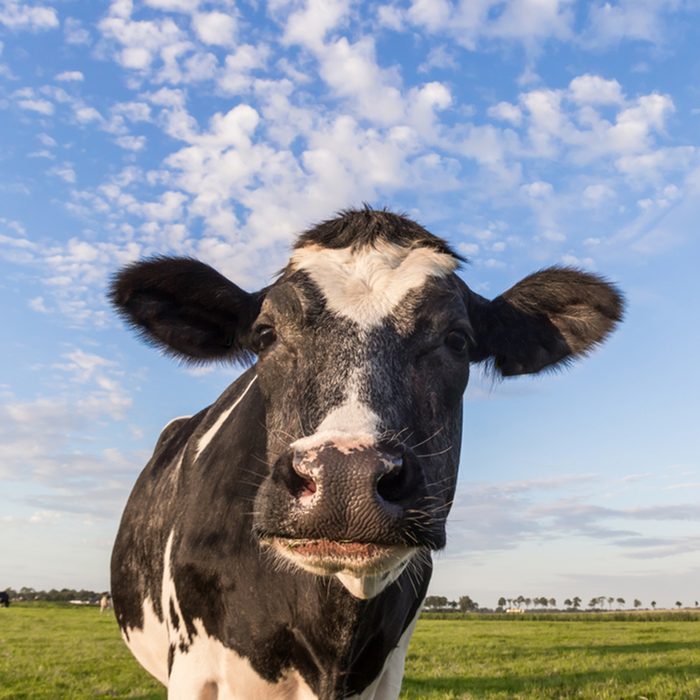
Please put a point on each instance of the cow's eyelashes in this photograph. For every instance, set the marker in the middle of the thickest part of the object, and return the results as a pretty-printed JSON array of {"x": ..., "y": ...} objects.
[
  {"x": 457, "y": 341},
  {"x": 264, "y": 336}
]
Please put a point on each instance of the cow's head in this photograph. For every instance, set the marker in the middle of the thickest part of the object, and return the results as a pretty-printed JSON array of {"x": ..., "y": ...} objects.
[{"x": 363, "y": 348}]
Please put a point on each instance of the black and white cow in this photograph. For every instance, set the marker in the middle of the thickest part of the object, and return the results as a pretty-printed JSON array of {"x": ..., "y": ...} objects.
[{"x": 277, "y": 545}]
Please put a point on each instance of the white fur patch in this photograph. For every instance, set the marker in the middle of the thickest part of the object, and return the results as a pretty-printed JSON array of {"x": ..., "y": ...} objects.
[
  {"x": 209, "y": 670},
  {"x": 207, "y": 437},
  {"x": 150, "y": 644},
  {"x": 365, "y": 285},
  {"x": 351, "y": 425},
  {"x": 366, "y": 587}
]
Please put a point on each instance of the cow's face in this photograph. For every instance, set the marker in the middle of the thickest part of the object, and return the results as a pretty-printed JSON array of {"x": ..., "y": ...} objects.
[{"x": 363, "y": 350}]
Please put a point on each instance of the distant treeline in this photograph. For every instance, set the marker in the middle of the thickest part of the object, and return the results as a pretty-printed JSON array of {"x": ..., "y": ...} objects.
[
  {"x": 687, "y": 615},
  {"x": 64, "y": 595}
]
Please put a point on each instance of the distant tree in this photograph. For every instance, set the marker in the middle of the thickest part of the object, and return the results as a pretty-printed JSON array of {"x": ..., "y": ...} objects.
[
  {"x": 653, "y": 604},
  {"x": 679, "y": 605},
  {"x": 568, "y": 603},
  {"x": 611, "y": 600},
  {"x": 637, "y": 603},
  {"x": 436, "y": 601},
  {"x": 466, "y": 604},
  {"x": 696, "y": 603},
  {"x": 452, "y": 604},
  {"x": 552, "y": 602},
  {"x": 620, "y": 601},
  {"x": 501, "y": 602},
  {"x": 577, "y": 603},
  {"x": 520, "y": 600},
  {"x": 528, "y": 602},
  {"x": 594, "y": 602}
]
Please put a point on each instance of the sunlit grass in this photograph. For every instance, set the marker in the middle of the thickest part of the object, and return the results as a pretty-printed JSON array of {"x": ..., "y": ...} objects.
[{"x": 55, "y": 652}]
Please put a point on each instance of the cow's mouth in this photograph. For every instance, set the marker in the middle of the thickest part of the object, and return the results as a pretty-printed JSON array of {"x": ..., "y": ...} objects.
[{"x": 326, "y": 557}]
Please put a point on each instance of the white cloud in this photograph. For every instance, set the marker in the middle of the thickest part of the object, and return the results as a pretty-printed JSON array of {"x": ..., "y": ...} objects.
[
  {"x": 391, "y": 17},
  {"x": 432, "y": 14},
  {"x": 70, "y": 76},
  {"x": 439, "y": 57},
  {"x": 21, "y": 15},
  {"x": 309, "y": 25},
  {"x": 141, "y": 40},
  {"x": 131, "y": 143},
  {"x": 215, "y": 28},
  {"x": 65, "y": 172},
  {"x": 537, "y": 189},
  {"x": 236, "y": 74},
  {"x": 506, "y": 111},
  {"x": 592, "y": 89},
  {"x": 187, "y": 6},
  {"x": 85, "y": 114},
  {"x": 627, "y": 19},
  {"x": 37, "y": 105},
  {"x": 134, "y": 111},
  {"x": 468, "y": 23},
  {"x": 598, "y": 194},
  {"x": 352, "y": 73},
  {"x": 38, "y": 304},
  {"x": 75, "y": 32}
]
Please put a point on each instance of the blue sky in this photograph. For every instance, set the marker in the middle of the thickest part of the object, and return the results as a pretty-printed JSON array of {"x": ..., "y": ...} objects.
[{"x": 526, "y": 132}]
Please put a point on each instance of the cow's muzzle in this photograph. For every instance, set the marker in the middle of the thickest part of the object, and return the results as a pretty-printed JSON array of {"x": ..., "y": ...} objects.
[{"x": 336, "y": 507}]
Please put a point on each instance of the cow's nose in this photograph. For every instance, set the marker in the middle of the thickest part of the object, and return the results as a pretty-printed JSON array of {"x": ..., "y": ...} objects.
[{"x": 369, "y": 472}]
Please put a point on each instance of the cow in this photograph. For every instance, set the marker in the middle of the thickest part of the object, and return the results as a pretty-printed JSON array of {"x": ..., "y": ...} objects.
[
  {"x": 4, "y": 599},
  {"x": 278, "y": 543}
]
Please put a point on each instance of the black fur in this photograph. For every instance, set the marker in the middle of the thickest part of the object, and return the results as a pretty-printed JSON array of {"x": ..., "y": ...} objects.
[
  {"x": 549, "y": 318},
  {"x": 359, "y": 228},
  {"x": 186, "y": 308}
]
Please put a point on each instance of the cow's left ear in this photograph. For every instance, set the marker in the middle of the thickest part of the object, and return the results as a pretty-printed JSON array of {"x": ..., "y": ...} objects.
[
  {"x": 547, "y": 319},
  {"x": 187, "y": 308}
]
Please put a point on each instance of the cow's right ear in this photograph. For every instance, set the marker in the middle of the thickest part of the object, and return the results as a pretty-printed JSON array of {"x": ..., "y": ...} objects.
[{"x": 187, "y": 309}]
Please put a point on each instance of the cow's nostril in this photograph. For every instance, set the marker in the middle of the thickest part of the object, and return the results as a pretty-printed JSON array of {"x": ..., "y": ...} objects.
[
  {"x": 303, "y": 484},
  {"x": 391, "y": 486}
]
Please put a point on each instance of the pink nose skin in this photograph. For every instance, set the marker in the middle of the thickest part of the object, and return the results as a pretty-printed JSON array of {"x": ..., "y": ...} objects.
[{"x": 312, "y": 467}]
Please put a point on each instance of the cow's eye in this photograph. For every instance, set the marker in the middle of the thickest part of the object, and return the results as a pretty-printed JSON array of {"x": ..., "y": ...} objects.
[
  {"x": 456, "y": 341},
  {"x": 264, "y": 337}
]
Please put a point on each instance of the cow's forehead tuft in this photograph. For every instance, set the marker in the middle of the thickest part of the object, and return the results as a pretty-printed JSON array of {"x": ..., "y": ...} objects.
[
  {"x": 359, "y": 228},
  {"x": 367, "y": 284}
]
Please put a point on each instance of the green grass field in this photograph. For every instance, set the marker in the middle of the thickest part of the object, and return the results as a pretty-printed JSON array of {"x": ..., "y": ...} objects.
[{"x": 52, "y": 652}]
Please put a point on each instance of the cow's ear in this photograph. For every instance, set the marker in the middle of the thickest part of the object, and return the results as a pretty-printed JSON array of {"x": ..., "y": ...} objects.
[
  {"x": 547, "y": 319},
  {"x": 186, "y": 308}
]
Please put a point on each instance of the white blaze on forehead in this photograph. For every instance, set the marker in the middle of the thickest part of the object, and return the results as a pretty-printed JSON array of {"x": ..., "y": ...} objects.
[{"x": 366, "y": 285}]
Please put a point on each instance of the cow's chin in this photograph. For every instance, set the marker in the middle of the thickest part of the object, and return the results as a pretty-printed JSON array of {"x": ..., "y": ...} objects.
[{"x": 364, "y": 569}]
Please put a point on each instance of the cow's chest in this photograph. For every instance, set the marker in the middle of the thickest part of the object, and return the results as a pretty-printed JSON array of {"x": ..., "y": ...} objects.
[{"x": 205, "y": 669}]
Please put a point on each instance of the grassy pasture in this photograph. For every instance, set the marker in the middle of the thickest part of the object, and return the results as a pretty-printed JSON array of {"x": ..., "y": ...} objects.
[{"x": 54, "y": 652}]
